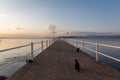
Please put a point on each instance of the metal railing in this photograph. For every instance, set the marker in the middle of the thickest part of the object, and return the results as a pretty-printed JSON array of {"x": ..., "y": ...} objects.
[
  {"x": 47, "y": 43},
  {"x": 96, "y": 51}
]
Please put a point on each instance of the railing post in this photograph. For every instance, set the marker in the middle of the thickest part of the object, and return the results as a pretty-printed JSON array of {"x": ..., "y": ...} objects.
[
  {"x": 83, "y": 45},
  {"x": 76, "y": 44},
  {"x": 52, "y": 41},
  {"x": 97, "y": 48},
  {"x": 42, "y": 44},
  {"x": 46, "y": 43},
  {"x": 32, "y": 56},
  {"x": 49, "y": 42}
]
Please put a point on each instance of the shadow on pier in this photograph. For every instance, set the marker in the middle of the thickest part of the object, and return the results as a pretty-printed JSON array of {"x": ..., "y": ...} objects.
[{"x": 57, "y": 63}]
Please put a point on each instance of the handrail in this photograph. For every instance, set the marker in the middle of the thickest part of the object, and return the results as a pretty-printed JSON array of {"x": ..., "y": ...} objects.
[
  {"x": 97, "y": 48},
  {"x": 30, "y": 54},
  {"x": 110, "y": 57},
  {"x": 18, "y": 59},
  {"x": 103, "y": 54},
  {"x": 106, "y": 45},
  {"x": 37, "y": 43},
  {"x": 14, "y": 48},
  {"x": 18, "y": 47},
  {"x": 110, "y": 46},
  {"x": 89, "y": 42}
]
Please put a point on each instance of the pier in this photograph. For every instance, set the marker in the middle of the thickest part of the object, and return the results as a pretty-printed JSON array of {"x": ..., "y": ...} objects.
[{"x": 57, "y": 63}]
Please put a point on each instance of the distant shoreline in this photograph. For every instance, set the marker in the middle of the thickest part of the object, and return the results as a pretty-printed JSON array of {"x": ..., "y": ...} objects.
[
  {"x": 91, "y": 36},
  {"x": 88, "y": 36},
  {"x": 24, "y": 38}
]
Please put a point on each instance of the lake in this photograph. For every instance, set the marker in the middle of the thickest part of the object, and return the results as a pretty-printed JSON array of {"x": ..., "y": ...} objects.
[{"x": 13, "y": 55}]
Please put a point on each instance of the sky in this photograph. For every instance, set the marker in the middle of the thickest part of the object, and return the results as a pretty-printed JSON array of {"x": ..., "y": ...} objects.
[{"x": 23, "y": 18}]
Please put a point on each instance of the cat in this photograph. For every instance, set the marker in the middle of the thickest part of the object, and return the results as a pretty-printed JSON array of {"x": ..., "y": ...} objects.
[
  {"x": 78, "y": 49},
  {"x": 77, "y": 66},
  {"x": 29, "y": 61}
]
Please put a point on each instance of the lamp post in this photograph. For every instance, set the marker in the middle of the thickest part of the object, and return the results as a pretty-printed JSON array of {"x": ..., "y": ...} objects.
[{"x": 67, "y": 36}]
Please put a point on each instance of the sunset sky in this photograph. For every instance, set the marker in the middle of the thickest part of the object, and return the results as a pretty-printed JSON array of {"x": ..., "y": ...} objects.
[{"x": 47, "y": 17}]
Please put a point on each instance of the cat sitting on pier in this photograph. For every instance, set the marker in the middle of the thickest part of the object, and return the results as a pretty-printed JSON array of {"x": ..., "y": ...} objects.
[
  {"x": 78, "y": 49},
  {"x": 77, "y": 66},
  {"x": 29, "y": 61}
]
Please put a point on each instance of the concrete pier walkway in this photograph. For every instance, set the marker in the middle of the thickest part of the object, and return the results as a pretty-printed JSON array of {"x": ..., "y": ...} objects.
[{"x": 57, "y": 63}]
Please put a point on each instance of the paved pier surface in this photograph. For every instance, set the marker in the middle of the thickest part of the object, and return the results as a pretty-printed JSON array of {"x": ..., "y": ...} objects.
[{"x": 57, "y": 63}]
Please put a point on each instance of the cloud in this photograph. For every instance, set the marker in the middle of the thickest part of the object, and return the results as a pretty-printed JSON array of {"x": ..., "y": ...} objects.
[
  {"x": 51, "y": 29},
  {"x": 18, "y": 28}
]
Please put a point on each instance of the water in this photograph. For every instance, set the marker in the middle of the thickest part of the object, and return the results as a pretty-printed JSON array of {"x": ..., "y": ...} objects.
[
  {"x": 106, "y": 50},
  {"x": 11, "y": 56},
  {"x": 15, "y": 57}
]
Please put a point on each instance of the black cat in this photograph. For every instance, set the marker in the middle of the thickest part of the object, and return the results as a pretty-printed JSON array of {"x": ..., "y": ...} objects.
[
  {"x": 77, "y": 66},
  {"x": 78, "y": 49},
  {"x": 29, "y": 61}
]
